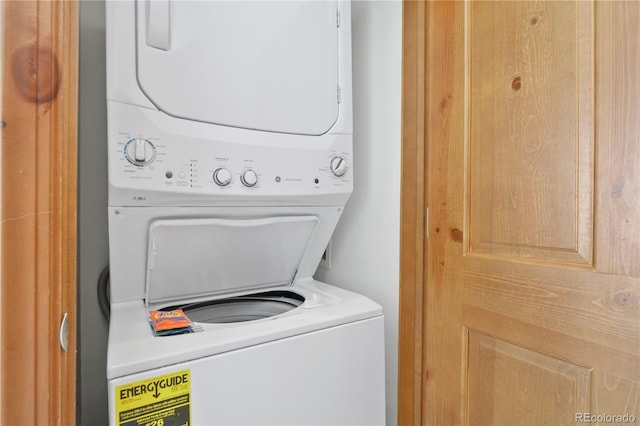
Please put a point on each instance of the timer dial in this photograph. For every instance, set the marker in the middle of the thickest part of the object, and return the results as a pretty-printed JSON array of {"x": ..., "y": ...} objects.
[
  {"x": 222, "y": 177},
  {"x": 338, "y": 166},
  {"x": 139, "y": 152}
]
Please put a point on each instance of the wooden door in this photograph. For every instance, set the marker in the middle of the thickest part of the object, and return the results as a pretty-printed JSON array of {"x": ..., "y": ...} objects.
[
  {"x": 532, "y": 263},
  {"x": 38, "y": 262}
]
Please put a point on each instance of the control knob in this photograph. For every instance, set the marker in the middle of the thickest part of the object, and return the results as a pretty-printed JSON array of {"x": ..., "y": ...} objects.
[
  {"x": 139, "y": 152},
  {"x": 222, "y": 177},
  {"x": 249, "y": 178},
  {"x": 338, "y": 166}
]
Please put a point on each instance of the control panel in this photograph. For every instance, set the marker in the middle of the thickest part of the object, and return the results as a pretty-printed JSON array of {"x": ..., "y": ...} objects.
[{"x": 144, "y": 165}]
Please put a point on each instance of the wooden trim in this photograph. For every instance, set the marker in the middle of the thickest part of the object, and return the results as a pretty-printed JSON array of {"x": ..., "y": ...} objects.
[
  {"x": 412, "y": 215},
  {"x": 38, "y": 211}
]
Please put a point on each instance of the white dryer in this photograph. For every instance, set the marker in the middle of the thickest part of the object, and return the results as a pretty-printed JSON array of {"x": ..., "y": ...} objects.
[{"x": 230, "y": 161}]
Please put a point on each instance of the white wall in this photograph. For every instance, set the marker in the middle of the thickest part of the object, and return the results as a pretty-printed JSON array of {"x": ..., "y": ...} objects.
[{"x": 365, "y": 245}]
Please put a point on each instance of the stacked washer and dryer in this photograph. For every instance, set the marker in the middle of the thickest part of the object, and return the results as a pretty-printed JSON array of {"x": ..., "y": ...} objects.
[{"x": 230, "y": 162}]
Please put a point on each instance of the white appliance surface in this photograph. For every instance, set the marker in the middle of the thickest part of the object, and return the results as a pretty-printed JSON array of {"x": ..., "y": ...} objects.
[
  {"x": 230, "y": 161},
  {"x": 269, "y": 66},
  {"x": 291, "y": 169},
  {"x": 265, "y": 373},
  {"x": 162, "y": 155},
  {"x": 276, "y": 66},
  {"x": 133, "y": 348}
]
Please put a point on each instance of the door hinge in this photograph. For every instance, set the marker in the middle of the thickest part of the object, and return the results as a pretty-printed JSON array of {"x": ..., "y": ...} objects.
[
  {"x": 426, "y": 224},
  {"x": 64, "y": 332},
  {"x": 339, "y": 94},
  {"x": 338, "y": 18}
]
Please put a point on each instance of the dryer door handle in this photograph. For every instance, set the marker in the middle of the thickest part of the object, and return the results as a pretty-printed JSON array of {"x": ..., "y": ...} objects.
[{"x": 158, "y": 24}]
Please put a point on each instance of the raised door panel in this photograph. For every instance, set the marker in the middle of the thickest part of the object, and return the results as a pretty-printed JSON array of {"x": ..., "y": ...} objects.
[
  {"x": 616, "y": 400},
  {"x": 531, "y": 138},
  {"x": 547, "y": 390}
]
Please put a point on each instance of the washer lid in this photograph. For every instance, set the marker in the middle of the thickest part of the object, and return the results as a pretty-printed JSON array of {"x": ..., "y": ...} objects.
[
  {"x": 193, "y": 258},
  {"x": 261, "y": 65}
]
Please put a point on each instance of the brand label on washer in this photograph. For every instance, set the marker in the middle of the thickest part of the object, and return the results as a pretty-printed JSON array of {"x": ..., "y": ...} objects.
[{"x": 158, "y": 401}]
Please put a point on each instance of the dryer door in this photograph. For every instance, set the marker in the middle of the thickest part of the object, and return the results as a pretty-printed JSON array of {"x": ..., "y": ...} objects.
[{"x": 263, "y": 65}]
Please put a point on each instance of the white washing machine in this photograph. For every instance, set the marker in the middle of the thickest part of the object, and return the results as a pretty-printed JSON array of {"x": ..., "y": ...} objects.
[{"x": 230, "y": 161}]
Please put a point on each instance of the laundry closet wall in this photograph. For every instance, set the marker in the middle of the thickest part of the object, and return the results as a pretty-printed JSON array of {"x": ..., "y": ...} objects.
[
  {"x": 93, "y": 249},
  {"x": 365, "y": 247}
]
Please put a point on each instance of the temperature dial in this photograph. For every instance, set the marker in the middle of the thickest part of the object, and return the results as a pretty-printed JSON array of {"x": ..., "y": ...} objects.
[
  {"x": 338, "y": 166},
  {"x": 140, "y": 152},
  {"x": 249, "y": 178},
  {"x": 222, "y": 177}
]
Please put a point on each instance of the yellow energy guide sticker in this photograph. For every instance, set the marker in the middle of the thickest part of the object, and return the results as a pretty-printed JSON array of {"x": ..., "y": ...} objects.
[{"x": 158, "y": 401}]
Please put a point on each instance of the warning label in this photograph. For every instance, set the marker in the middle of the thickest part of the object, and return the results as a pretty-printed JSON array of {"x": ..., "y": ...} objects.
[{"x": 159, "y": 401}]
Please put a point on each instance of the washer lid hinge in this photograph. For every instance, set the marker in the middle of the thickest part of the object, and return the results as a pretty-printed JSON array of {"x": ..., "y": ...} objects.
[
  {"x": 338, "y": 18},
  {"x": 295, "y": 274},
  {"x": 339, "y": 94}
]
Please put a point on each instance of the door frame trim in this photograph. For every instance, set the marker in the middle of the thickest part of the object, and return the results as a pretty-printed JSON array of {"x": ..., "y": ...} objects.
[
  {"x": 39, "y": 189},
  {"x": 412, "y": 213}
]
